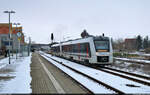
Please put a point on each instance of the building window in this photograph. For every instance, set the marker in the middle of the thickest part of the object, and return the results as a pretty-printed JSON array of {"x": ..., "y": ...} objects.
[
  {"x": 6, "y": 43},
  {"x": 4, "y": 38}
]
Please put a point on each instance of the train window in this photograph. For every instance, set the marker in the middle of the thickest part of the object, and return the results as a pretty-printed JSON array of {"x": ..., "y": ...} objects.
[
  {"x": 85, "y": 48},
  {"x": 62, "y": 48},
  {"x": 57, "y": 49},
  {"x": 65, "y": 48},
  {"x": 70, "y": 48},
  {"x": 78, "y": 48},
  {"x": 101, "y": 45},
  {"x": 75, "y": 48},
  {"x": 82, "y": 48}
]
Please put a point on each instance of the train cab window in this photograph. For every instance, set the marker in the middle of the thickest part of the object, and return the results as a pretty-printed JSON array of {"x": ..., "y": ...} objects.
[{"x": 101, "y": 45}]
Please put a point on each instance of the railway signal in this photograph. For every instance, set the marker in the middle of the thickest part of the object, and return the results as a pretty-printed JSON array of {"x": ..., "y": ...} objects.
[{"x": 52, "y": 37}]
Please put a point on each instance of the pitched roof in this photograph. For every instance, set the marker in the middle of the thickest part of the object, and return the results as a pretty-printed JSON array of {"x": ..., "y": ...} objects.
[{"x": 129, "y": 40}]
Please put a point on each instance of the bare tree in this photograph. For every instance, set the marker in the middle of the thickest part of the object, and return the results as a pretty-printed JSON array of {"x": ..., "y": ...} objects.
[{"x": 118, "y": 44}]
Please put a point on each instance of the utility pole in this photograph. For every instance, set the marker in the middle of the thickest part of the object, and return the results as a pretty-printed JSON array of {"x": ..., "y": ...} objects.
[{"x": 29, "y": 45}]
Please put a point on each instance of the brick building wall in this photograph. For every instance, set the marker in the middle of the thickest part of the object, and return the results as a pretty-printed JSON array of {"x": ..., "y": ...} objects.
[
  {"x": 130, "y": 44},
  {"x": 4, "y": 36}
]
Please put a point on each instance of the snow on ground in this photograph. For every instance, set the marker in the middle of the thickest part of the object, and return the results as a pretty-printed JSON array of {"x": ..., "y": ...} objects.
[
  {"x": 137, "y": 52},
  {"x": 15, "y": 77},
  {"x": 133, "y": 67},
  {"x": 140, "y": 69},
  {"x": 129, "y": 75},
  {"x": 94, "y": 87},
  {"x": 114, "y": 81},
  {"x": 145, "y": 54},
  {"x": 134, "y": 60}
]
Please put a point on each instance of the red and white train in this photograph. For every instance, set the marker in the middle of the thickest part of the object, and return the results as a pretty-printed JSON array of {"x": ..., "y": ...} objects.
[{"x": 90, "y": 50}]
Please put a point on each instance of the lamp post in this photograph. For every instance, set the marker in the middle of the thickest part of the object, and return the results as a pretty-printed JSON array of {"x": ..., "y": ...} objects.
[
  {"x": 29, "y": 46},
  {"x": 9, "y": 12},
  {"x": 17, "y": 37}
]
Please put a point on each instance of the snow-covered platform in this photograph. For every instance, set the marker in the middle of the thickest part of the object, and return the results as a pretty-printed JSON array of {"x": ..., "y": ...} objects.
[
  {"x": 34, "y": 74},
  {"x": 15, "y": 77}
]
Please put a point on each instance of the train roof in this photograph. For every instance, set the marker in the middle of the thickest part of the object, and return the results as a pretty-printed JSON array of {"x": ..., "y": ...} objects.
[
  {"x": 103, "y": 38},
  {"x": 94, "y": 37},
  {"x": 56, "y": 44}
]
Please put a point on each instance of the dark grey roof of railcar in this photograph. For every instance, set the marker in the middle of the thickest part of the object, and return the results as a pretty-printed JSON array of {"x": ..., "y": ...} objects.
[{"x": 94, "y": 37}]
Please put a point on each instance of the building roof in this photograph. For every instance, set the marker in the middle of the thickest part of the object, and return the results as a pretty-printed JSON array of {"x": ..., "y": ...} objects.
[{"x": 130, "y": 39}]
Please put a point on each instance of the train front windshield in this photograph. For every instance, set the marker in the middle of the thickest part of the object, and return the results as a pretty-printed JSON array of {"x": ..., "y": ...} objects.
[{"x": 102, "y": 46}]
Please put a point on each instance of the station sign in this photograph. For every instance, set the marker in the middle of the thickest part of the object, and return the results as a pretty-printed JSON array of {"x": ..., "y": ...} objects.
[
  {"x": 19, "y": 38},
  {"x": 19, "y": 34}
]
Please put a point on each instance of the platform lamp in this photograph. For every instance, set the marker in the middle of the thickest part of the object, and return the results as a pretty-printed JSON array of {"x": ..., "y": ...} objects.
[{"x": 9, "y": 12}]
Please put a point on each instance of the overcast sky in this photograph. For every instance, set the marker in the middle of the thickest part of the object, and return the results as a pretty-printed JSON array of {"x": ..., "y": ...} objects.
[{"x": 68, "y": 18}]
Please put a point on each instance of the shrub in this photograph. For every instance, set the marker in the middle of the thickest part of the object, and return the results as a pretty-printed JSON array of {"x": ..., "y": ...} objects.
[
  {"x": 118, "y": 54},
  {"x": 147, "y": 50}
]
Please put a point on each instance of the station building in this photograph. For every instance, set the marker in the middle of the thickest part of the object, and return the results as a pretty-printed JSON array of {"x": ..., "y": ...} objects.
[{"x": 4, "y": 37}]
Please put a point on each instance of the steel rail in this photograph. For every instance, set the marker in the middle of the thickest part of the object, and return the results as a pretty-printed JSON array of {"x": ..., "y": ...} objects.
[
  {"x": 136, "y": 75},
  {"x": 142, "y": 63},
  {"x": 90, "y": 92},
  {"x": 97, "y": 81},
  {"x": 123, "y": 76}
]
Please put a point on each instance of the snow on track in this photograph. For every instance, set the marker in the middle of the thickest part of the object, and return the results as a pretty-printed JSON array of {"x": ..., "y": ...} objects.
[
  {"x": 134, "y": 60},
  {"x": 94, "y": 87},
  {"x": 4, "y": 62},
  {"x": 20, "y": 71},
  {"x": 112, "y": 80},
  {"x": 129, "y": 75}
]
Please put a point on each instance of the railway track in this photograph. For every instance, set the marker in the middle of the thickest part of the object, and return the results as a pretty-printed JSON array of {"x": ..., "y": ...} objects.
[
  {"x": 136, "y": 75},
  {"x": 132, "y": 61},
  {"x": 126, "y": 75},
  {"x": 131, "y": 76},
  {"x": 89, "y": 77}
]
